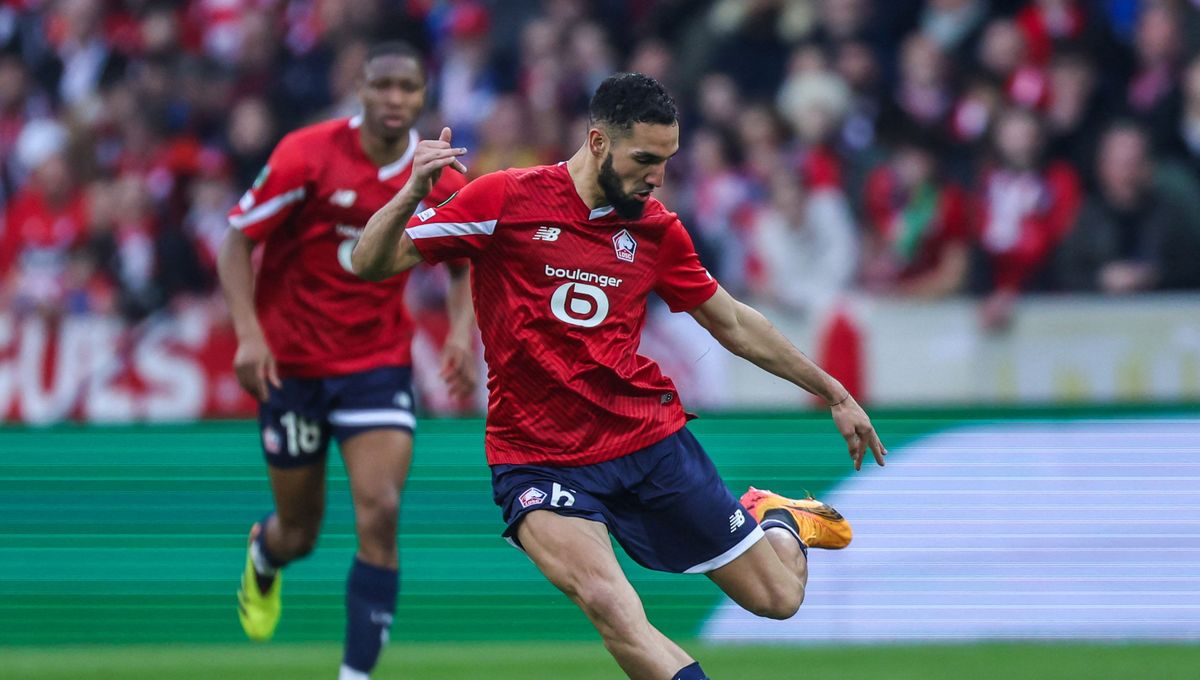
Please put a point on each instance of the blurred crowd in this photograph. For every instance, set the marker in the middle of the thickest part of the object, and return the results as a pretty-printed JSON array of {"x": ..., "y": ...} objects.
[{"x": 902, "y": 147}]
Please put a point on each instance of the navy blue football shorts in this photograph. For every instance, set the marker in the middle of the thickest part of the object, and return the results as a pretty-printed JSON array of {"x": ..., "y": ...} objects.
[
  {"x": 665, "y": 504},
  {"x": 298, "y": 419}
]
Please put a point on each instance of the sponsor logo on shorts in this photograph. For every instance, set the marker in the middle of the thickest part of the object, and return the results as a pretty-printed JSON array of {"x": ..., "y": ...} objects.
[
  {"x": 560, "y": 497},
  {"x": 736, "y": 520},
  {"x": 271, "y": 441},
  {"x": 532, "y": 496}
]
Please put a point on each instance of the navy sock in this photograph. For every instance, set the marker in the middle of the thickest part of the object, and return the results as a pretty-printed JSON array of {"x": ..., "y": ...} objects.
[
  {"x": 370, "y": 603},
  {"x": 692, "y": 672},
  {"x": 782, "y": 518}
]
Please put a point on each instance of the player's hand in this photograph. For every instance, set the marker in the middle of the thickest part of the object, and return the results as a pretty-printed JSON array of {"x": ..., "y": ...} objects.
[
  {"x": 255, "y": 368},
  {"x": 856, "y": 427},
  {"x": 431, "y": 157},
  {"x": 458, "y": 368}
]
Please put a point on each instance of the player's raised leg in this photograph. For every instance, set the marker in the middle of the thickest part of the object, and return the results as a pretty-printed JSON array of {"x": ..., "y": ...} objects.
[
  {"x": 377, "y": 462},
  {"x": 576, "y": 555},
  {"x": 285, "y": 535},
  {"x": 769, "y": 579}
]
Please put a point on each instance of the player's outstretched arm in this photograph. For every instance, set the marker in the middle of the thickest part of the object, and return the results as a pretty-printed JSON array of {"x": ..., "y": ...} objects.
[
  {"x": 384, "y": 250},
  {"x": 744, "y": 331}
]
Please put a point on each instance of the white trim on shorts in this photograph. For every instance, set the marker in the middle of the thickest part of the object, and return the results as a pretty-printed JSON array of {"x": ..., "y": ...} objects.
[
  {"x": 368, "y": 417},
  {"x": 729, "y": 555}
]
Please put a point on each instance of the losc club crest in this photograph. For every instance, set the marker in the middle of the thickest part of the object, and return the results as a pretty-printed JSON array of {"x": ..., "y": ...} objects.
[
  {"x": 532, "y": 496},
  {"x": 625, "y": 246}
]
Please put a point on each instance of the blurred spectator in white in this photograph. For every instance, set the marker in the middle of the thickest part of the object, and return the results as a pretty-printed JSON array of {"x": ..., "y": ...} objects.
[
  {"x": 954, "y": 25},
  {"x": 806, "y": 244},
  {"x": 18, "y": 104},
  {"x": 1133, "y": 235},
  {"x": 1025, "y": 208},
  {"x": 45, "y": 220},
  {"x": 86, "y": 58},
  {"x": 916, "y": 231},
  {"x": 815, "y": 101}
]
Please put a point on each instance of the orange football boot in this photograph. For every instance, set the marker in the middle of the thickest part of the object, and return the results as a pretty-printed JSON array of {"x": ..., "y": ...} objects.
[{"x": 820, "y": 526}]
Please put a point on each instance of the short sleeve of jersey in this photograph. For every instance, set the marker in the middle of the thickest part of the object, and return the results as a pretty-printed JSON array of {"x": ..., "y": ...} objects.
[
  {"x": 683, "y": 283},
  {"x": 280, "y": 188},
  {"x": 448, "y": 184},
  {"x": 461, "y": 225}
]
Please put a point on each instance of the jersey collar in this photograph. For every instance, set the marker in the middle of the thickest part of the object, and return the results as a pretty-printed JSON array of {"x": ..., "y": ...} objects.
[{"x": 396, "y": 167}]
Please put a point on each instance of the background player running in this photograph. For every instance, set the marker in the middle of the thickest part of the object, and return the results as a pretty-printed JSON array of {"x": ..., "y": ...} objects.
[
  {"x": 584, "y": 436},
  {"x": 327, "y": 353}
]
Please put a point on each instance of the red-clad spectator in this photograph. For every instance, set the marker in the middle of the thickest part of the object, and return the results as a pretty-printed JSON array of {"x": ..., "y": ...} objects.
[
  {"x": 1025, "y": 208},
  {"x": 916, "y": 240},
  {"x": 1046, "y": 22},
  {"x": 46, "y": 219},
  {"x": 1004, "y": 58}
]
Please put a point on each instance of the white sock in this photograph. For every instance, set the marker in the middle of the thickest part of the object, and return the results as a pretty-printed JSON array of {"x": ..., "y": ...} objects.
[
  {"x": 348, "y": 673},
  {"x": 261, "y": 565}
]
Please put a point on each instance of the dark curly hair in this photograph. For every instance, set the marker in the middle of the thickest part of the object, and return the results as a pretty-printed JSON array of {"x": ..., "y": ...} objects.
[
  {"x": 395, "y": 48},
  {"x": 627, "y": 98}
]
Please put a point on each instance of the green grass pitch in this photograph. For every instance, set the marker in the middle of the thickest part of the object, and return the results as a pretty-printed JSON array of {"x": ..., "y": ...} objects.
[{"x": 584, "y": 661}]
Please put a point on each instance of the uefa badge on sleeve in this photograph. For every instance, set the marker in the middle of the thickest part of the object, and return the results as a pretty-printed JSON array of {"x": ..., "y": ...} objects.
[{"x": 625, "y": 246}]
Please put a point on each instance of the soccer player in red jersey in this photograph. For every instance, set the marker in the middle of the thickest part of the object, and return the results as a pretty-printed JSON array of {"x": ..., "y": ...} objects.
[
  {"x": 584, "y": 436},
  {"x": 328, "y": 354}
]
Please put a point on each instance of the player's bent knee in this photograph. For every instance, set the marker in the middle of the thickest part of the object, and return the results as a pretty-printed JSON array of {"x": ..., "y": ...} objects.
[
  {"x": 377, "y": 519},
  {"x": 299, "y": 541},
  {"x": 783, "y": 603}
]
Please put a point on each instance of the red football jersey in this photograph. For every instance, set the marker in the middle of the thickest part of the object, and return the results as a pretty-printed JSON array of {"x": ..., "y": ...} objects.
[
  {"x": 560, "y": 293},
  {"x": 309, "y": 205}
]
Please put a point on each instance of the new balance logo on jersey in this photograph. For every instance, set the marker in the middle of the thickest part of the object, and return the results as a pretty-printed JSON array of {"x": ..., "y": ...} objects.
[
  {"x": 736, "y": 520},
  {"x": 547, "y": 234},
  {"x": 344, "y": 197}
]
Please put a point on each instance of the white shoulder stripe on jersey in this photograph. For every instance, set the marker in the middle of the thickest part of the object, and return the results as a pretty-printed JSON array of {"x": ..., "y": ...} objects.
[
  {"x": 267, "y": 209},
  {"x": 452, "y": 229},
  {"x": 366, "y": 417}
]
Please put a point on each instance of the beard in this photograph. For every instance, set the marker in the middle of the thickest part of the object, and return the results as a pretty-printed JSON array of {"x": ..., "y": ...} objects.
[{"x": 625, "y": 205}]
